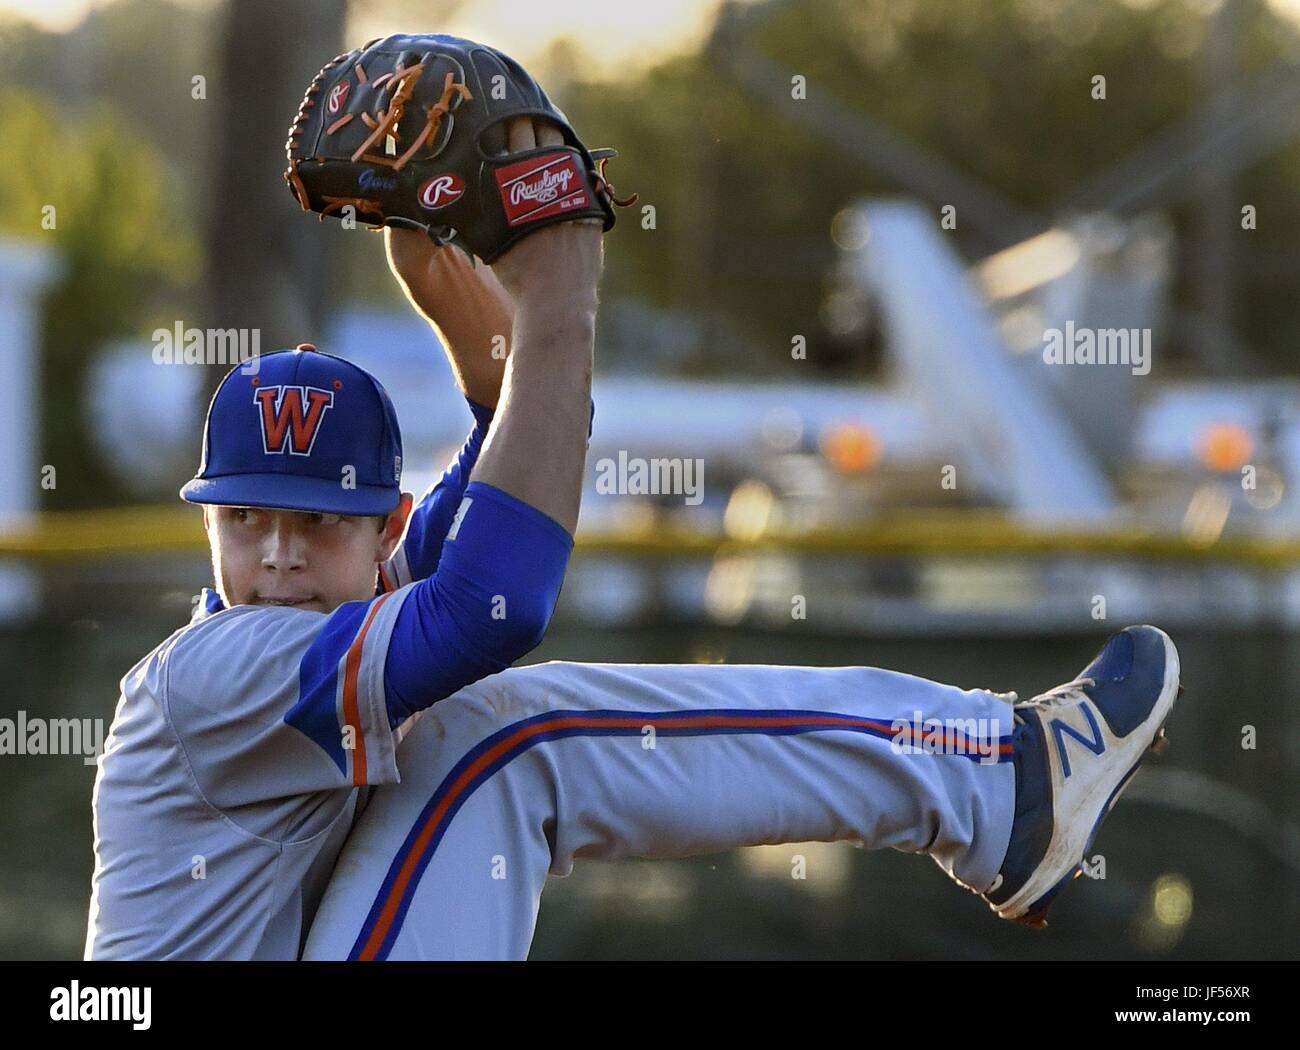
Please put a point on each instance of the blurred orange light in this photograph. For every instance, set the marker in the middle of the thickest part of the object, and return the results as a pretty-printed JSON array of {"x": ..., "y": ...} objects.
[
  {"x": 851, "y": 448},
  {"x": 1225, "y": 447}
]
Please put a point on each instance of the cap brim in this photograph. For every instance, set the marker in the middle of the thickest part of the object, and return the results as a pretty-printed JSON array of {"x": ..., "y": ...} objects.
[{"x": 292, "y": 492}]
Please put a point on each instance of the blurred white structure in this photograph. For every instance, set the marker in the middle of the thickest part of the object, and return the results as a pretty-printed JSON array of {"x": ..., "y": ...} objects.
[
  {"x": 147, "y": 451},
  {"x": 1095, "y": 272},
  {"x": 998, "y": 419},
  {"x": 26, "y": 269}
]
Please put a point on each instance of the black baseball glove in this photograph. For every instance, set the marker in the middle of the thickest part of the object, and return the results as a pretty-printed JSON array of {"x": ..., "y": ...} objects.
[{"x": 409, "y": 131}]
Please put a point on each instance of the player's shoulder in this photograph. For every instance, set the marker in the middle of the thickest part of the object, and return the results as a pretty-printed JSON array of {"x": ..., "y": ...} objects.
[
  {"x": 245, "y": 625},
  {"x": 223, "y": 642},
  {"x": 242, "y": 642}
]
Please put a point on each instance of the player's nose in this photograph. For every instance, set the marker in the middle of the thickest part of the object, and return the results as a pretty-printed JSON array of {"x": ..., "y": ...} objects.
[{"x": 285, "y": 547}]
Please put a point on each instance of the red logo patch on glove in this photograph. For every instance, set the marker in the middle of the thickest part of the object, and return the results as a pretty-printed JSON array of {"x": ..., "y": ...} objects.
[
  {"x": 338, "y": 95},
  {"x": 441, "y": 190},
  {"x": 541, "y": 186}
]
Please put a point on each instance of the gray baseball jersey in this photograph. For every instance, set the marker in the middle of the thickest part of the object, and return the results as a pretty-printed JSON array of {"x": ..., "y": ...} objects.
[{"x": 217, "y": 821}]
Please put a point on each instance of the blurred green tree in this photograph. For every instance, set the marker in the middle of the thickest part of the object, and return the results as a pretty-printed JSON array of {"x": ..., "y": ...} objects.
[
  {"x": 745, "y": 189},
  {"x": 127, "y": 248}
]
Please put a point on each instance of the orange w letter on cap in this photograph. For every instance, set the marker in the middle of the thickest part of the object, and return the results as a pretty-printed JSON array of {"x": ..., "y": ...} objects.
[{"x": 283, "y": 412}]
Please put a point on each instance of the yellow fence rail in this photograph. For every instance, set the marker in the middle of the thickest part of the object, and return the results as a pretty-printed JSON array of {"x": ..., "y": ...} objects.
[{"x": 71, "y": 535}]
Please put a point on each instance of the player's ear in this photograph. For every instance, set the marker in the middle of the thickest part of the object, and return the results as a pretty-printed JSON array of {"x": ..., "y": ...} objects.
[{"x": 395, "y": 526}]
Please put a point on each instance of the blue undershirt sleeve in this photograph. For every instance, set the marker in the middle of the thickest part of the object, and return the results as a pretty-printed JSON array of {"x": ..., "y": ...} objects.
[{"x": 488, "y": 604}]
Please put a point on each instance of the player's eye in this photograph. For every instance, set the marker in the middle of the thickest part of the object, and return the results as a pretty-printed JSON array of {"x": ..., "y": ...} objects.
[
  {"x": 324, "y": 519},
  {"x": 248, "y": 515}
]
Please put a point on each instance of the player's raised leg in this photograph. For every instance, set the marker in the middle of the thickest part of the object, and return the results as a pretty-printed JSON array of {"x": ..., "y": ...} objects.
[{"x": 514, "y": 776}]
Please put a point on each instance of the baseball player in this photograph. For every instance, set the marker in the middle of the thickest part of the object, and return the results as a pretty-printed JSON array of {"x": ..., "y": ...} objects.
[{"x": 335, "y": 758}]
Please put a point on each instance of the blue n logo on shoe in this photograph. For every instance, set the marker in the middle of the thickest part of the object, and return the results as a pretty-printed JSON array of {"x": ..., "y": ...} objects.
[{"x": 1060, "y": 731}]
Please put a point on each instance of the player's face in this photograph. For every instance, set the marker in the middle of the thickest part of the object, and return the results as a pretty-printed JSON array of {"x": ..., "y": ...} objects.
[{"x": 308, "y": 560}]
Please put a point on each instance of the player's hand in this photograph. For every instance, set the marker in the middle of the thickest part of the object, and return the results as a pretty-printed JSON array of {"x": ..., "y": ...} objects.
[
  {"x": 559, "y": 265},
  {"x": 426, "y": 271},
  {"x": 446, "y": 286},
  {"x": 411, "y": 255}
]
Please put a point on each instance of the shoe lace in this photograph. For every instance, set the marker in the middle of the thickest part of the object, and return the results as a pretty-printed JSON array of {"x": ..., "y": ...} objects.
[{"x": 1059, "y": 695}]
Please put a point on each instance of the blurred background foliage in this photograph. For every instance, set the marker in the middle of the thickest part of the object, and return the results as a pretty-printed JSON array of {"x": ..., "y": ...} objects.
[
  {"x": 128, "y": 251},
  {"x": 166, "y": 210}
]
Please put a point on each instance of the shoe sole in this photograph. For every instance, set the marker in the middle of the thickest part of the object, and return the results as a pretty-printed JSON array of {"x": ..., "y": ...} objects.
[{"x": 1035, "y": 913}]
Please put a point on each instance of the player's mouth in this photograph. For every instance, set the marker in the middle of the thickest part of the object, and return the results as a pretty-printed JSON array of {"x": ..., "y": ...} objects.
[{"x": 283, "y": 601}]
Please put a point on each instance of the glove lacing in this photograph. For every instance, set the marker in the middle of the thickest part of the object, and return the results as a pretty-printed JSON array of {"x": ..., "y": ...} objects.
[{"x": 406, "y": 79}]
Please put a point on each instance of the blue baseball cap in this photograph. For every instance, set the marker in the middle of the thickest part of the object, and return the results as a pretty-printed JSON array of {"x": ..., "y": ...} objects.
[{"x": 300, "y": 430}]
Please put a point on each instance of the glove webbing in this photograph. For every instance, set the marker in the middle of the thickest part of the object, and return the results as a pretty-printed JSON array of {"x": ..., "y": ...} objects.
[{"x": 405, "y": 79}]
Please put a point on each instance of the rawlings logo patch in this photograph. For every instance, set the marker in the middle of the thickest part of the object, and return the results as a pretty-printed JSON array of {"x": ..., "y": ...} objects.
[
  {"x": 441, "y": 190},
  {"x": 375, "y": 182},
  {"x": 541, "y": 186},
  {"x": 338, "y": 95}
]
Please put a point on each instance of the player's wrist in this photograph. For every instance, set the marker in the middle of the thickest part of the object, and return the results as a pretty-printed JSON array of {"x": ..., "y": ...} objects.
[{"x": 569, "y": 319}]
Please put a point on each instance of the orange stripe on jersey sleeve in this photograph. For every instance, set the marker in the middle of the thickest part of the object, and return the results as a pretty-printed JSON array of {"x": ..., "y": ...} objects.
[{"x": 351, "y": 710}]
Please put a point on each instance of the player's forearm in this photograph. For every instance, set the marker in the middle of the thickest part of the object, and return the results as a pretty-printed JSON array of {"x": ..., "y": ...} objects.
[
  {"x": 537, "y": 448},
  {"x": 467, "y": 306}
]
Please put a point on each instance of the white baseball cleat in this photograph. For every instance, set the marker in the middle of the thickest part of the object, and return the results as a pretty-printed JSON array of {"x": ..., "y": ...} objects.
[{"x": 1076, "y": 747}]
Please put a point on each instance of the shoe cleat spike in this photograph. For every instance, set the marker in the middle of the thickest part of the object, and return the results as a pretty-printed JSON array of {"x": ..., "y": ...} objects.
[{"x": 1035, "y": 920}]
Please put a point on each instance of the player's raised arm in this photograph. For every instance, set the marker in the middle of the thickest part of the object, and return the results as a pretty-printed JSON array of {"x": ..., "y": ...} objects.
[
  {"x": 457, "y": 141},
  {"x": 537, "y": 447},
  {"x": 474, "y": 317},
  {"x": 503, "y": 563}
]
